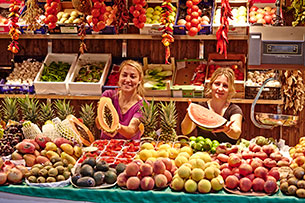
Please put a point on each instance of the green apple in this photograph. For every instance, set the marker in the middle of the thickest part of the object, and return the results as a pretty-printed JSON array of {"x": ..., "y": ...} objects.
[
  {"x": 150, "y": 10},
  {"x": 156, "y": 17},
  {"x": 155, "y": 22},
  {"x": 149, "y": 15},
  {"x": 156, "y": 13},
  {"x": 242, "y": 8},
  {"x": 148, "y": 20},
  {"x": 158, "y": 8}
]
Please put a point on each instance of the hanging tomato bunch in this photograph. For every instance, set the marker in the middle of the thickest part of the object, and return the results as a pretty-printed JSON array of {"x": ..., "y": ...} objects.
[
  {"x": 222, "y": 32},
  {"x": 192, "y": 18},
  {"x": 97, "y": 12},
  {"x": 51, "y": 10},
  {"x": 139, "y": 13},
  {"x": 14, "y": 31},
  {"x": 167, "y": 27}
]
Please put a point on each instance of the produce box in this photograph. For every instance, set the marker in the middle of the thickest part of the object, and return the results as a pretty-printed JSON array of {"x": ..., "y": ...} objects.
[
  {"x": 262, "y": 14},
  {"x": 42, "y": 87},
  {"x": 158, "y": 78},
  {"x": 20, "y": 80},
  {"x": 153, "y": 17},
  {"x": 85, "y": 62},
  {"x": 189, "y": 79},
  {"x": 234, "y": 61},
  {"x": 255, "y": 79},
  {"x": 239, "y": 25},
  {"x": 207, "y": 9}
]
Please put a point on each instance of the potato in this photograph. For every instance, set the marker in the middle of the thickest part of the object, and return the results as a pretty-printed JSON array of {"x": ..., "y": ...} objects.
[{"x": 301, "y": 193}]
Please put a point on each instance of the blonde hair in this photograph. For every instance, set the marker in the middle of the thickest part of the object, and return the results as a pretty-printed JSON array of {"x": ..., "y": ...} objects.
[
  {"x": 138, "y": 67},
  {"x": 229, "y": 74}
]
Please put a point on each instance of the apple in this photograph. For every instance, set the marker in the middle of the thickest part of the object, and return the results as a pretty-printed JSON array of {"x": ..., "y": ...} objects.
[
  {"x": 262, "y": 21},
  {"x": 268, "y": 19},
  {"x": 253, "y": 19},
  {"x": 181, "y": 22},
  {"x": 252, "y": 13},
  {"x": 253, "y": 8},
  {"x": 267, "y": 8}
]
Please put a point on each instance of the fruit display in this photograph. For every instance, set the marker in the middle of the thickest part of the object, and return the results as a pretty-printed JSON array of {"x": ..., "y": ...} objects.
[
  {"x": 55, "y": 72},
  {"x": 147, "y": 176},
  {"x": 239, "y": 74},
  {"x": 263, "y": 16},
  {"x": 204, "y": 117},
  {"x": 90, "y": 72},
  {"x": 297, "y": 154},
  {"x": 193, "y": 23},
  {"x": 203, "y": 144},
  {"x": 138, "y": 12},
  {"x": 153, "y": 14},
  {"x": 55, "y": 170},
  {"x": 261, "y": 141},
  {"x": 256, "y": 78},
  {"x": 14, "y": 28},
  {"x": 73, "y": 17},
  {"x": 51, "y": 10},
  {"x": 95, "y": 173},
  {"x": 253, "y": 169},
  {"x": 197, "y": 173},
  {"x": 102, "y": 15},
  {"x": 113, "y": 77},
  {"x": 11, "y": 173},
  {"x": 12, "y": 135},
  {"x": 24, "y": 72},
  {"x": 107, "y": 115},
  {"x": 293, "y": 183},
  {"x": 155, "y": 78},
  {"x": 239, "y": 16}
]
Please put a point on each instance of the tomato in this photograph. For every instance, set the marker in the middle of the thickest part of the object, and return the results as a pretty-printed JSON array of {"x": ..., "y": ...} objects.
[
  {"x": 136, "y": 1},
  {"x": 95, "y": 28},
  {"x": 143, "y": 11},
  {"x": 189, "y": 11},
  {"x": 142, "y": 18},
  {"x": 195, "y": 14},
  {"x": 194, "y": 22},
  {"x": 195, "y": 8},
  {"x": 97, "y": 4},
  {"x": 54, "y": 5},
  {"x": 193, "y": 31},
  {"x": 103, "y": 9},
  {"x": 140, "y": 25},
  {"x": 136, "y": 13},
  {"x": 131, "y": 9},
  {"x": 49, "y": 10},
  {"x": 49, "y": 1},
  {"x": 95, "y": 12},
  {"x": 94, "y": 20},
  {"x": 138, "y": 7},
  {"x": 51, "y": 25},
  {"x": 46, "y": 21},
  {"x": 101, "y": 25},
  {"x": 189, "y": 3},
  {"x": 188, "y": 18},
  {"x": 188, "y": 25}
]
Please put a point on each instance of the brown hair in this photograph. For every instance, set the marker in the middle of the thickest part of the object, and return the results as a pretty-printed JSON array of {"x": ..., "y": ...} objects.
[
  {"x": 138, "y": 67},
  {"x": 229, "y": 74}
]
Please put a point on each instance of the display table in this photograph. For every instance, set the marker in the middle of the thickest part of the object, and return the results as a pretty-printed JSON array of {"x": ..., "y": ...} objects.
[{"x": 116, "y": 194}]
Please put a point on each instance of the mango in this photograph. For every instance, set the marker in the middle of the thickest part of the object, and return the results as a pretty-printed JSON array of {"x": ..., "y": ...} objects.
[
  {"x": 70, "y": 159},
  {"x": 16, "y": 156},
  {"x": 50, "y": 146},
  {"x": 51, "y": 154},
  {"x": 67, "y": 148},
  {"x": 78, "y": 151},
  {"x": 29, "y": 159},
  {"x": 42, "y": 159}
]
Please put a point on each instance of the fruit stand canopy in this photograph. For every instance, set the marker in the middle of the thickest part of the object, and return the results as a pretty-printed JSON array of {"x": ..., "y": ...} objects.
[{"x": 118, "y": 195}]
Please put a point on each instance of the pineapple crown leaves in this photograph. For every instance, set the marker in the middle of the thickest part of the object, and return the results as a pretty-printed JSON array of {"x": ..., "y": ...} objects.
[
  {"x": 87, "y": 113},
  {"x": 63, "y": 108},
  {"x": 29, "y": 107},
  {"x": 149, "y": 112},
  {"x": 46, "y": 112},
  {"x": 168, "y": 114},
  {"x": 10, "y": 109}
]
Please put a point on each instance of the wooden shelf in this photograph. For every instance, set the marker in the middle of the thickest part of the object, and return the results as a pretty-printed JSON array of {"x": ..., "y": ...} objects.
[
  {"x": 121, "y": 36},
  {"x": 235, "y": 100}
]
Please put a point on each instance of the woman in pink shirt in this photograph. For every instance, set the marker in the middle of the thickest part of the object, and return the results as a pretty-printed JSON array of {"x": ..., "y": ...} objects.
[{"x": 128, "y": 101}]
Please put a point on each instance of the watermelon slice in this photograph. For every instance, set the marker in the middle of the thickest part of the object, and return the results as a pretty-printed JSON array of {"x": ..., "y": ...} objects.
[{"x": 205, "y": 118}]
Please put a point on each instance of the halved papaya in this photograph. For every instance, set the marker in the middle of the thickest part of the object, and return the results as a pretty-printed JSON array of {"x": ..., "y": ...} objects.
[
  {"x": 107, "y": 115},
  {"x": 81, "y": 130}
]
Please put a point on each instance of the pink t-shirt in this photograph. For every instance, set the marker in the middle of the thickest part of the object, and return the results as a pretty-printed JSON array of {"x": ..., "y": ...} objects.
[{"x": 133, "y": 112}]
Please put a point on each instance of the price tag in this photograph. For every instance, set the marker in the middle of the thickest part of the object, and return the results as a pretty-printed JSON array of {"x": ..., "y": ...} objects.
[{"x": 68, "y": 29}]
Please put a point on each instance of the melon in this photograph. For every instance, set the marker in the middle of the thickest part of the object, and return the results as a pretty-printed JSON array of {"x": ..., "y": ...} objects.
[
  {"x": 107, "y": 115},
  {"x": 204, "y": 117}
]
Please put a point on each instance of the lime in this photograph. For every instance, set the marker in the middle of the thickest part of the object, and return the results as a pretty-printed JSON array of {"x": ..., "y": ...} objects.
[
  {"x": 199, "y": 138},
  {"x": 215, "y": 143},
  {"x": 193, "y": 144},
  {"x": 208, "y": 144},
  {"x": 198, "y": 146},
  {"x": 213, "y": 150},
  {"x": 193, "y": 138}
]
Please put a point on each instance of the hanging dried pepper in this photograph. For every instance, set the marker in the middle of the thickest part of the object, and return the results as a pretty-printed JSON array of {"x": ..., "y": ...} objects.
[
  {"x": 82, "y": 34},
  {"x": 14, "y": 28},
  {"x": 167, "y": 27},
  {"x": 122, "y": 15},
  {"x": 222, "y": 32}
]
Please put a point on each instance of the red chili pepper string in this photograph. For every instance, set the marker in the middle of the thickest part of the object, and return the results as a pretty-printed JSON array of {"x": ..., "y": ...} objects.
[
  {"x": 167, "y": 28},
  {"x": 222, "y": 32},
  {"x": 122, "y": 15},
  {"x": 14, "y": 28}
]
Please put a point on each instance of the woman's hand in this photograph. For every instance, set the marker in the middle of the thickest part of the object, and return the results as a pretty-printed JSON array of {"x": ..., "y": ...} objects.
[
  {"x": 114, "y": 133},
  {"x": 226, "y": 128}
]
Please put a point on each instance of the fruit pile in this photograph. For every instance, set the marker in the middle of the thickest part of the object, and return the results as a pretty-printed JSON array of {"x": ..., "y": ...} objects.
[
  {"x": 91, "y": 72},
  {"x": 263, "y": 16},
  {"x": 92, "y": 173},
  {"x": 51, "y": 10},
  {"x": 254, "y": 169},
  {"x": 192, "y": 19},
  {"x": 74, "y": 17},
  {"x": 138, "y": 12},
  {"x": 12, "y": 135},
  {"x": 11, "y": 173},
  {"x": 147, "y": 176},
  {"x": 239, "y": 75},
  {"x": 98, "y": 20},
  {"x": 198, "y": 174},
  {"x": 294, "y": 183},
  {"x": 256, "y": 78},
  {"x": 239, "y": 16},
  {"x": 203, "y": 144},
  {"x": 55, "y": 170},
  {"x": 113, "y": 78}
]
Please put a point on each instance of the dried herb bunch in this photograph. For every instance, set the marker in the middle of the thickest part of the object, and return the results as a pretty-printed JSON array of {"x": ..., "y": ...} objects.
[
  {"x": 293, "y": 90},
  {"x": 298, "y": 9},
  {"x": 31, "y": 15}
]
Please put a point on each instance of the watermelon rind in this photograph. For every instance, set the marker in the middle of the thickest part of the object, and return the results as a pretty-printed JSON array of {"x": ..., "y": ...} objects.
[{"x": 201, "y": 125}]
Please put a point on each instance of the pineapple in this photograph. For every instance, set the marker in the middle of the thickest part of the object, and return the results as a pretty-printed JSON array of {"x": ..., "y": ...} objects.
[
  {"x": 46, "y": 112},
  {"x": 149, "y": 119},
  {"x": 29, "y": 108},
  {"x": 168, "y": 117},
  {"x": 10, "y": 109},
  {"x": 87, "y": 113},
  {"x": 63, "y": 109}
]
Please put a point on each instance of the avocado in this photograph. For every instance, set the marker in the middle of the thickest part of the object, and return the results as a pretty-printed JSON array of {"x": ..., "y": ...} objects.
[
  {"x": 102, "y": 167},
  {"x": 75, "y": 178},
  {"x": 32, "y": 179},
  {"x": 110, "y": 177},
  {"x": 41, "y": 179},
  {"x": 60, "y": 178},
  {"x": 120, "y": 168},
  {"x": 60, "y": 169},
  {"x": 43, "y": 172},
  {"x": 99, "y": 177},
  {"x": 55, "y": 159},
  {"x": 59, "y": 163},
  {"x": 86, "y": 182},
  {"x": 51, "y": 179},
  {"x": 90, "y": 161},
  {"x": 86, "y": 170}
]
